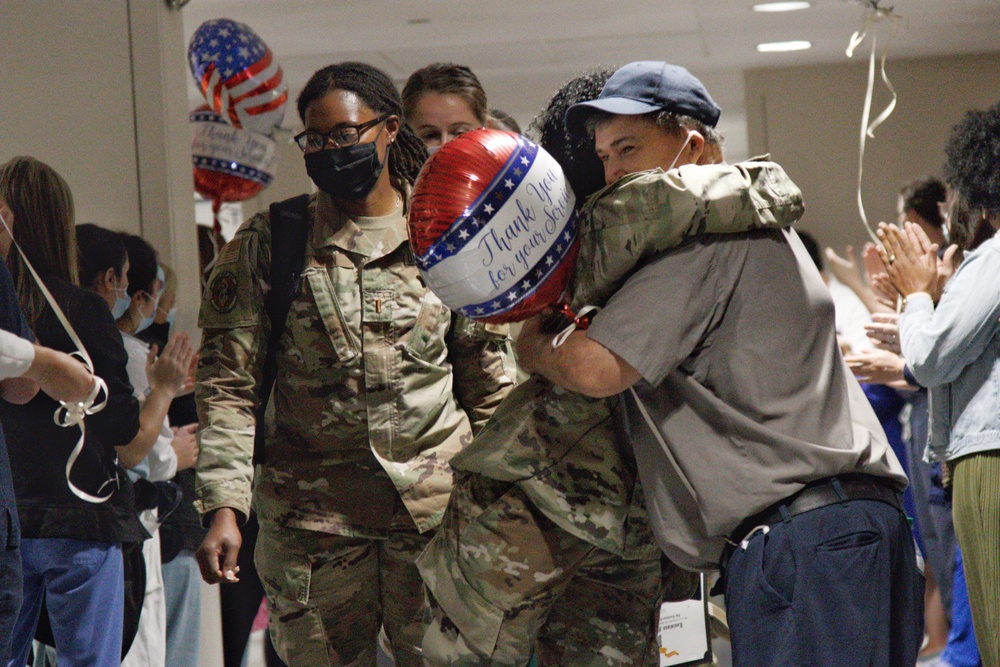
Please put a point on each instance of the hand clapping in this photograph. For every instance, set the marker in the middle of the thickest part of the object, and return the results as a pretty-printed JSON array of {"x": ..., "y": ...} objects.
[{"x": 911, "y": 265}]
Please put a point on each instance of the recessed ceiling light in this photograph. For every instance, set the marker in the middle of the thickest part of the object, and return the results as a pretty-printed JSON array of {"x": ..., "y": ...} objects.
[
  {"x": 781, "y": 6},
  {"x": 775, "y": 47},
  {"x": 418, "y": 21}
]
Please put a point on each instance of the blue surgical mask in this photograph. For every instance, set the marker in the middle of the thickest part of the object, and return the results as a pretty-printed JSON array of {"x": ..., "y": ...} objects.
[
  {"x": 146, "y": 321},
  {"x": 122, "y": 302},
  {"x": 144, "y": 324}
]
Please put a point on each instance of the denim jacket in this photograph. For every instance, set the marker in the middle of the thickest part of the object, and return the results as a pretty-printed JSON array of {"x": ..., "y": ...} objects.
[{"x": 954, "y": 350}]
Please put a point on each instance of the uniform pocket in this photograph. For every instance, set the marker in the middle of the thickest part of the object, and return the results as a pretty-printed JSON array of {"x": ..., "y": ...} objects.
[
  {"x": 330, "y": 314},
  {"x": 294, "y": 622},
  {"x": 426, "y": 341}
]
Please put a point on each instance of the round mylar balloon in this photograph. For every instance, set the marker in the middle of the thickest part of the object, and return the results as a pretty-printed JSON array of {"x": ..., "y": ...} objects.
[
  {"x": 493, "y": 227},
  {"x": 238, "y": 75},
  {"x": 230, "y": 164}
]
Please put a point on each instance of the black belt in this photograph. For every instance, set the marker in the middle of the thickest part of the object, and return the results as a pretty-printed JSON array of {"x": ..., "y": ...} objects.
[{"x": 813, "y": 496}]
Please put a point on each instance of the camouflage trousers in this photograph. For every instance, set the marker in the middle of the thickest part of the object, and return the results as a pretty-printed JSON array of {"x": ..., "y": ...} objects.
[
  {"x": 505, "y": 582},
  {"x": 328, "y": 595}
]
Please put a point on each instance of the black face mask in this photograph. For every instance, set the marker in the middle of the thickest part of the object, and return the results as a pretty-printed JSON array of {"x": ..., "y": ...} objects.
[{"x": 345, "y": 173}]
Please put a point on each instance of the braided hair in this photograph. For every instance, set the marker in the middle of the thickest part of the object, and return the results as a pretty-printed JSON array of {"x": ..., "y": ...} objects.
[
  {"x": 407, "y": 154},
  {"x": 973, "y": 159},
  {"x": 576, "y": 155}
]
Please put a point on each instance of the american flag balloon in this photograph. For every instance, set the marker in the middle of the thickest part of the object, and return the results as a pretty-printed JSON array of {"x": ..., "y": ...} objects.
[{"x": 238, "y": 75}]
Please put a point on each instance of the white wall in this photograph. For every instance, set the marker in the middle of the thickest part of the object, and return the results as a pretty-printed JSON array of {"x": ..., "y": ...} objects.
[
  {"x": 66, "y": 98},
  {"x": 809, "y": 119},
  {"x": 163, "y": 141},
  {"x": 290, "y": 178},
  {"x": 96, "y": 89}
]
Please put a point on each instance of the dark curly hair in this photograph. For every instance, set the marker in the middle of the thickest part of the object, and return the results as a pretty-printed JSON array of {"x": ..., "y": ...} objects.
[
  {"x": 576, "y": 155},
  {"x": 407, "y": 154},
  {"x": 968, "y": 228},
  {"x": 973, "y": 159}
]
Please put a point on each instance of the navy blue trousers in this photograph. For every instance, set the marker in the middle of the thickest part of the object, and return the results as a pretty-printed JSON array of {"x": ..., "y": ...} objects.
[
  {"x": 835, "y": 587},
  {"x": 10, "y": 580}
]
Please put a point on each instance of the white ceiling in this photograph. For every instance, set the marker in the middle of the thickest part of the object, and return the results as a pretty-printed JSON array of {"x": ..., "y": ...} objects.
[{"x": 523, "y": 50}]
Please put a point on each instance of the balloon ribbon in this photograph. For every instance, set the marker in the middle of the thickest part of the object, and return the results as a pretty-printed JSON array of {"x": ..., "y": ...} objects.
[
  {"x": 68, "y": 415},
  {"x": 873, "y": 16},
  {"x": 562, "y": 321}
]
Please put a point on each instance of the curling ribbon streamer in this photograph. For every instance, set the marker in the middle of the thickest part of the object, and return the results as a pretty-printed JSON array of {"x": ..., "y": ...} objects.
[
  {"x": 68, "y": 415},
  {"x": 874, "y": 15},
  {"x": 581, "y": 321}
]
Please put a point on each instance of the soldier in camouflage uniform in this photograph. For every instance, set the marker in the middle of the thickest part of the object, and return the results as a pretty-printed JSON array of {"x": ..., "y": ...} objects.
[
  {"x": 378, "y": 385},
  {"x": 546, "y": 545}
]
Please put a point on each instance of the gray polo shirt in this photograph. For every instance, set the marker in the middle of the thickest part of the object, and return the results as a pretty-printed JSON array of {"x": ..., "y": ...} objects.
[{"x": 734, "y": 336}]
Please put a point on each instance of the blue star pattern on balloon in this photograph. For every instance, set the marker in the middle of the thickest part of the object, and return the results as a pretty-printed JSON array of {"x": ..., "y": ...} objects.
[
  {"x": 539, "y": 273},
  {"x": 238, "y": 75},
  {"x": 226, "y": 44},
  {"x": 479, "y": 214}
]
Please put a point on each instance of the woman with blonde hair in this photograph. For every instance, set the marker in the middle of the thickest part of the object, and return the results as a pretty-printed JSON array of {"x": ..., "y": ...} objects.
[{"x": 74, "y": 518}]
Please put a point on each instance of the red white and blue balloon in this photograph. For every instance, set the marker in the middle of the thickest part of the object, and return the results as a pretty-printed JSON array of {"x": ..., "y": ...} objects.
[
  {"x": 230, "y": 164},
  {"x": 238, "y": 75},
  {"x": 493, "y": 227}
]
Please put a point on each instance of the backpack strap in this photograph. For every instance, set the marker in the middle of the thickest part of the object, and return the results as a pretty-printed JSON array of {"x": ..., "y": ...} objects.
[{"x": 289, "y": 222}]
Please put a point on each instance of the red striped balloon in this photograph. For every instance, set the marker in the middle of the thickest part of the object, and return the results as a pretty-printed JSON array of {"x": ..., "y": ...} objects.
[{"x": 465, "y": 173}]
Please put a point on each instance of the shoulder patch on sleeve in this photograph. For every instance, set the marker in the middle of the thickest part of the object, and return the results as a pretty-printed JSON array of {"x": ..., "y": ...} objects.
[
  {"x": 233, "y": 296},
  {"x": 222, "y": 291},
  {"x": 230, "y": 253}
]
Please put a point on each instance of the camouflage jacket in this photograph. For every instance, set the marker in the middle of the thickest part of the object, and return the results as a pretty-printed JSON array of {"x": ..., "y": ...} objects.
[
  {"x": 566, "y": 450},
  {"x": 378, "y": 383}
]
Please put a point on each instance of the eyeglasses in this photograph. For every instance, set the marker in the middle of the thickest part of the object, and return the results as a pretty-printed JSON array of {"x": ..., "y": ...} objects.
[{"x": 342, "y": 137}]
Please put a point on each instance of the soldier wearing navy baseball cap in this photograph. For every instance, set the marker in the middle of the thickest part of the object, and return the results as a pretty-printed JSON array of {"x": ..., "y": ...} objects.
[{"x": 650, "y": 114}]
